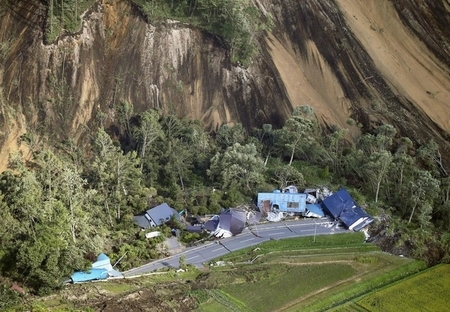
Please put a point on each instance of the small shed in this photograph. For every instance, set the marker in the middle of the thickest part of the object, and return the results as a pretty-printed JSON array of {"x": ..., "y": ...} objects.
[{"x": 17, "y": 288}]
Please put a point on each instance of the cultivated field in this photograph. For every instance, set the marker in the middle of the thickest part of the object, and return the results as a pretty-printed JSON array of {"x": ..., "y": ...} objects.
[
  {"x": 426, "y": 291},
  {"x": 302, "y": 275}
]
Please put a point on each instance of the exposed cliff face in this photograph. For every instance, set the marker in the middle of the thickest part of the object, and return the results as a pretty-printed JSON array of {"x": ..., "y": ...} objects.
[{"x": 375, "y": 61}]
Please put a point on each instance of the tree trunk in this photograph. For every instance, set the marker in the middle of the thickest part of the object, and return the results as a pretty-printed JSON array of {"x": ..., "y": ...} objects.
[
  {"x": 378, "y": 190},
  {"x": 292, "y": 156},
  {"x": 118, "y": 190},
  {"x": 51, "y": 16},
  {"x": 412, "y": 213},
  {"x": 144, "y": 146}
]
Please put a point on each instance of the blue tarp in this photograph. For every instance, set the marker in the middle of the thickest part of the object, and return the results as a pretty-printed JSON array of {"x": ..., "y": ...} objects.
[
  {"x": 93, "y": 274},
  {"x": 101, "y": 269},
  {"x": 102, "y": 257}
]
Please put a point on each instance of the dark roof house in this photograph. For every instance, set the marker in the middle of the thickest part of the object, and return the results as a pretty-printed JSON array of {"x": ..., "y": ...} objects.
[
  {"x": 233, "y": 220},
  {"x": 229, "y": 222},
  {"x": 341, "y": 206},
  {"x": 156, "y": 216}
]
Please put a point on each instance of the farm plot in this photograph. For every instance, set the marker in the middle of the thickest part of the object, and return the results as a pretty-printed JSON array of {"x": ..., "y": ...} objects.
[
  {"x": 426, "y": 291},
  {"x": 296, "y": 275},
  {"x": 284, "y": 283}
]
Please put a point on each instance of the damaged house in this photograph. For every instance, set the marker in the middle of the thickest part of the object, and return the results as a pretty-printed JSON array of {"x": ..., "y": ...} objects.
[
  {"x": 288, "y": 201},
  {"x": 341, "y": 207},
  {"x": 228, "y": 223},
  {"x": 101, "y": 269}
]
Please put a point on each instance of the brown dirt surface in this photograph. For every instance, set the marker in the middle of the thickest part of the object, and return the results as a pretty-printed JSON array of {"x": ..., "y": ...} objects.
[
  {"x": 404, "y": 61},
  {"x": 14, "y": 130},
  {"x": 142, "y": 297}
]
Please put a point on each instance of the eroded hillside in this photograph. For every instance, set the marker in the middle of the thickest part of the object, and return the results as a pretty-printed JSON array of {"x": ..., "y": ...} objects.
[{"x": 376, "y": 61}]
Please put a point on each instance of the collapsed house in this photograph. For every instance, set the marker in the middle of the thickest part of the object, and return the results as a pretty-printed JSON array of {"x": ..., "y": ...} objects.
[
  {"x": 274, "y": 206},
  {"x": 341, "y": 207},
  {"x": 315, "y": 203},
  {"x": 230, "y": 222},
  {"x": 101, "y": 269},
  {"x": 156, "y": 216}
]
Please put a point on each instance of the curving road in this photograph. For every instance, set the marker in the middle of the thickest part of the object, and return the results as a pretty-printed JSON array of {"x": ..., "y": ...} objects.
[{"x": 260, "y": 233}]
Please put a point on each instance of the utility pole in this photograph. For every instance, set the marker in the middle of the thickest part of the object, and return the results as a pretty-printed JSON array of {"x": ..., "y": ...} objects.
[{"x": 315, "y": 230}]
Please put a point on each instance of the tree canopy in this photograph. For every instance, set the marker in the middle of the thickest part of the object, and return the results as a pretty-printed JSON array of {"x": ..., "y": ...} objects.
[{"x": 58, "y": 212}]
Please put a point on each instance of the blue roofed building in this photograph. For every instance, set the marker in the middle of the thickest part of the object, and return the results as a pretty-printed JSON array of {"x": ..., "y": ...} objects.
[
  {"x": 341, "y": 206},
  {"x": 284, "y": 202},
  {"x": 101, "y": 269}
]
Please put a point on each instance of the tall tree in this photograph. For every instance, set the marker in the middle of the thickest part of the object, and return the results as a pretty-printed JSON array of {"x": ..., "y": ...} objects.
[
  {"x": 299, "y": 131},
  {"x": 423, "y": 190},
  {"x": 431, "y": 155},
  {"x": 267, "y": 137},
  {"x": 376, "y": 169},
  {"x": 227, "y": 135},
  {"x": 287, "y": 175},
  {"x": 334, "y": 144},
  {"x": 116, "y": 175},
  {"x": 239, "y": 166},
  {"x": 148, "y": 132}
]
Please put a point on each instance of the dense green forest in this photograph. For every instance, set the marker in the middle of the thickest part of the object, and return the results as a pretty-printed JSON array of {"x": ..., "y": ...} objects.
[{"x": 64, "y": 204}]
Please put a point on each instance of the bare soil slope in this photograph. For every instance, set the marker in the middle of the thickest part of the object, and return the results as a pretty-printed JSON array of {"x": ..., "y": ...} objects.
[{"x": 376, "y": 61}]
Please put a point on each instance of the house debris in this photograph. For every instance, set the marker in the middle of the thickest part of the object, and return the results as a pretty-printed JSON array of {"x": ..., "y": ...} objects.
[
  {"x": 101, "y": 269},
  {"x": 313, "y": 203},
  {"x": 278, "y": 204},
  {"x": 341, "y": 207},
  {"x": 229, "y": 222},
  {"x": 156, "y": 216},
  {"x": 314, "y": 211}
]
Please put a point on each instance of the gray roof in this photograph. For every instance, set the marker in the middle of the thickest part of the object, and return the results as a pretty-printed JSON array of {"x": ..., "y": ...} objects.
[
  {"x": 159, "y": 214},
  {"x": 162, "y": 213},
  {"x": 233, "y": 220},
  {"x": 142, "y": 221}
]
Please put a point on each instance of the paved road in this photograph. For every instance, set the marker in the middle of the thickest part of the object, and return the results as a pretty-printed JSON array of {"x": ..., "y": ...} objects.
[{"x": 259, "y": 233}]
